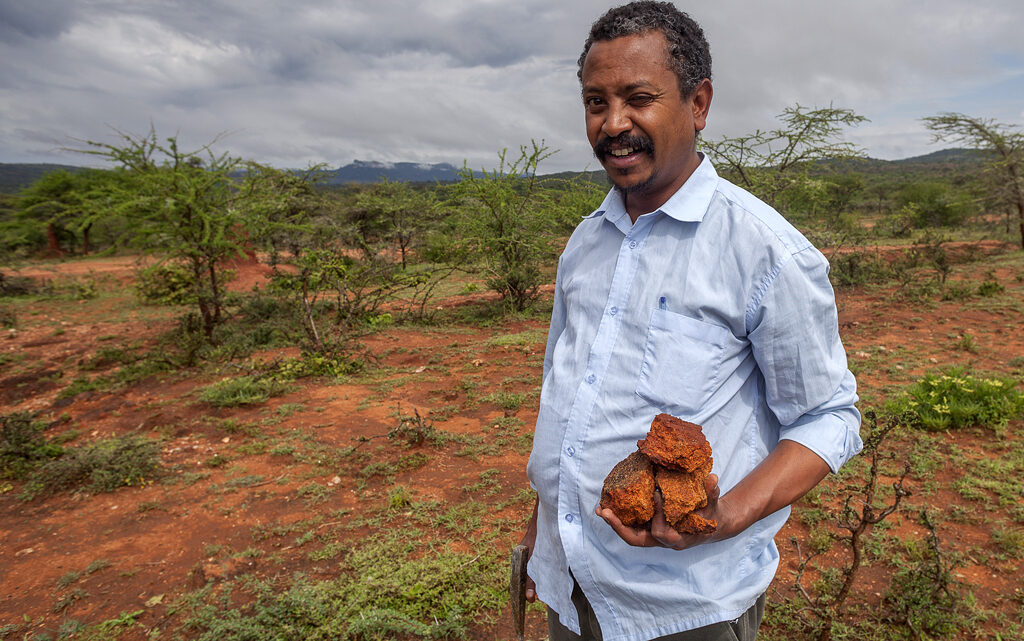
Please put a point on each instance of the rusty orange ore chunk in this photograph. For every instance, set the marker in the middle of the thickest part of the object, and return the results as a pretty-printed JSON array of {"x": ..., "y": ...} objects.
[
  {"x": 694, "y": 523},
  {"x": 681, "y": 492},
  {"x": 629, "y": 490},
  {"x": 675, "y": 444}
]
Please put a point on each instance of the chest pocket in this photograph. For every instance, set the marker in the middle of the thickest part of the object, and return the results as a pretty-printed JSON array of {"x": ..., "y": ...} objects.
[{"x": 682, "y": 361}]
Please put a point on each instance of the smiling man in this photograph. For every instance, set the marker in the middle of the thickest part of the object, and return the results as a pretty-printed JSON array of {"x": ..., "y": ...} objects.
[{"x": 686, "y": 295}]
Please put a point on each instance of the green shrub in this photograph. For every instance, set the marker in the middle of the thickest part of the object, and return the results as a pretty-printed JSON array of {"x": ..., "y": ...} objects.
[
  {"x": 933, "y": 203},
  {"x": 990, "y": 288},
  {"x": 166, "y": 284},
  {"x": 954, "y": 398},
  {"x": 103, "y": 466},
  {"x": 17, "y": 285},
  {"x": 244, "y": 390},
  {"x": 858, "y": 268},
  {"x": 391, "y": 587},
  {"x": 23, "y": 446},
  {"x": 925, "y": 595},
  {"x": 311, "y": 364}
]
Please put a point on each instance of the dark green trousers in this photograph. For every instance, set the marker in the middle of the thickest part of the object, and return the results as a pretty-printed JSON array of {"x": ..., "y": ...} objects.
[{"x": 742, "y": 629}]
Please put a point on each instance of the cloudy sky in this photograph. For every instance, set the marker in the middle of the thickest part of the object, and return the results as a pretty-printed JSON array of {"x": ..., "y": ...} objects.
[{"x": 294, "y": 83}]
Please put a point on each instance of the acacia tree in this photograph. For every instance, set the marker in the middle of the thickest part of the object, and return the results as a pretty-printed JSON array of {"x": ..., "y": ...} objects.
[
  {"x": 58, "y": 200},
  {"x": 503, "y": 224},
  {"x": 1004, "y": 144},
  {"x": 396, "y": 211},
  {"x": 768, "y": 163},
  {"x": 190, "y": 206}
]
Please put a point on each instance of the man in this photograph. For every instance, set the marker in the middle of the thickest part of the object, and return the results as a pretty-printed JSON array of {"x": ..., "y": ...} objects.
[{"x": 680, "y": 294}]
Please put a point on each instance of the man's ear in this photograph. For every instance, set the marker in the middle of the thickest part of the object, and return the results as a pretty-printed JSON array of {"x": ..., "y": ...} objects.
[{"x": 700, "y": 103}]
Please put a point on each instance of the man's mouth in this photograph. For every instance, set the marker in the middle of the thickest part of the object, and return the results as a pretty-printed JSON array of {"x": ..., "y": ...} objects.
[{"x": 622, "y": 146}]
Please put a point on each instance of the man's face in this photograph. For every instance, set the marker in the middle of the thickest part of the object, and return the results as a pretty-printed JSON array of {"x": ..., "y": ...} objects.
[{"x": 641, "y": 128}]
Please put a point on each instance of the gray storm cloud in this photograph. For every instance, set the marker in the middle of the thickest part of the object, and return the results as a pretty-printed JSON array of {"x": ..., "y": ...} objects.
[{"x": 447, "y": 81}]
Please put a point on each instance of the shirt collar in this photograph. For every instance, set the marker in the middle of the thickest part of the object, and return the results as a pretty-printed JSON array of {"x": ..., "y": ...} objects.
[{"x": 688, "y": 204}]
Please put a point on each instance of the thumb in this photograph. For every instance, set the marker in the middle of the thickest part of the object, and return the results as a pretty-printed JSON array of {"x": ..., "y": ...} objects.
[{"x": 711, "y": 487}]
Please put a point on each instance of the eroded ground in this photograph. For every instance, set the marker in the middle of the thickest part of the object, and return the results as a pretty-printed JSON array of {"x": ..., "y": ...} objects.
[{"x": 289, "y": 485}]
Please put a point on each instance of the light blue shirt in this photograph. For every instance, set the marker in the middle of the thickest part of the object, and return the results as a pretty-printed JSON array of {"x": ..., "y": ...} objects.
[{"x": 713, "y": 309}]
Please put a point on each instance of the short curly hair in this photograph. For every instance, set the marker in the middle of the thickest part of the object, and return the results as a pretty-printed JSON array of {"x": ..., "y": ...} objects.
[{"x": 689, "y": 56}]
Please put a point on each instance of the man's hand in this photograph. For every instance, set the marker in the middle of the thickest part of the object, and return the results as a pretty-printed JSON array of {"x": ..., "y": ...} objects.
[
  {"x": 661, "y": 534},
  {"x": 780, "y": 479},
  {"x": 529, "y": 539}
]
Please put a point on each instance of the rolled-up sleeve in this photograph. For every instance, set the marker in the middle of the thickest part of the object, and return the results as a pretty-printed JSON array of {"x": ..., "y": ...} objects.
[{"x": 794, "y": 333}]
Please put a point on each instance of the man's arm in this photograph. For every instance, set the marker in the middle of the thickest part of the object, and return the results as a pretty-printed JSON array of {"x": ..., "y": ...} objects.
[
  {"x": 785, "y": 475},
  {"x": 794, "y": 337}
]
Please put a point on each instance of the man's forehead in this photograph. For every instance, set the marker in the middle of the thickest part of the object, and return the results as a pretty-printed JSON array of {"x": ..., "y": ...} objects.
[{"x": 636, "y": 57}]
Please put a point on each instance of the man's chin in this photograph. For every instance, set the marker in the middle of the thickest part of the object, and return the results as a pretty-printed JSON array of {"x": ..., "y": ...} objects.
[{"x": 630, "y": 185}]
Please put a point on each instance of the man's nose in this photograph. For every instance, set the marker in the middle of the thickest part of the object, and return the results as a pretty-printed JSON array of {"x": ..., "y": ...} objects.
[{"x": 617, "y": 121}]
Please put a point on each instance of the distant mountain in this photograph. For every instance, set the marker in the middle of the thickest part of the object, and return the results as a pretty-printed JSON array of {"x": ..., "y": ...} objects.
[
  {"x": 368, "y": 171},
  {"x": 16, "y": 176},
  {"x": 945, "y": 162},
  {"x": 946, "y": 156}
]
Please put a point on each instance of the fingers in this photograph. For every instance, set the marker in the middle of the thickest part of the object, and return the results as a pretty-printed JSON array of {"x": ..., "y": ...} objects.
[
  {"x": 632, "y": 536},
  {"x": 531, "y": 589},
  {"x": 711, "y": 487},
  {"x": 663, "y": 533}
]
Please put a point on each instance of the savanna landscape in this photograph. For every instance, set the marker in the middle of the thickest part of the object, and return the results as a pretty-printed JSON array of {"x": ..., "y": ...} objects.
[{"x": 238, "y": 405}]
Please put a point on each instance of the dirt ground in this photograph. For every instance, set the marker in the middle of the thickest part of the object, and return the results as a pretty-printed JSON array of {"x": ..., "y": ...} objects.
[{"x": 141, "y": 548}]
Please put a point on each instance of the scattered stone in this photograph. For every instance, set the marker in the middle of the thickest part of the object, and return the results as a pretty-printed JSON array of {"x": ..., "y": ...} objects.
[{"x": 219, "y": 571}]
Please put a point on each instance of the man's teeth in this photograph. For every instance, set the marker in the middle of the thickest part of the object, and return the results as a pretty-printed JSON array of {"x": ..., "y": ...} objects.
[{"x": 621, "y": 152}]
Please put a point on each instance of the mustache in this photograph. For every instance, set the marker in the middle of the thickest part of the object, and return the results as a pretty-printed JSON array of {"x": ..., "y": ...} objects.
[{"x": 638, "y": 143}]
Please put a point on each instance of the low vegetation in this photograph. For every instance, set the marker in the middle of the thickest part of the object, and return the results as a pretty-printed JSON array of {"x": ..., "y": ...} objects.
[{"x": 344, "y": 444}]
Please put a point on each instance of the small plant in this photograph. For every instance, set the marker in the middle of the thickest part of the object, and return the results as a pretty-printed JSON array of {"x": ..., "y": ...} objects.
[
  {"x": 389, "y": 587},
  {"x": 858, "y": 268},
  {"x": 97, "y": 565},
  {"x": 69, "y": 599},
  {"x": 1010, "y": 541},
  {"x": 990, "y": 288},
  {"x": 287, "y": 409},
  {"x": 102, "y": 466},
  {"x": 414, "y": 430},
  {"x": 925, "y": 596},
  {"x": 507, "y": 401},
  {"x": 23, "y": 446},
  {"x": 244, "y": 390},
  {"x": 313, "y": 493},
  {"x": 967, "y": 343},
  {"x": 67, "y": 579},
  {"x": 955, "y": 399},
  {"x": 413, "y": 461},
  {"x": 312, "y": 364},
  {"x": 399, "y": 498},
  {"x": 859, "y": 514},
  {"x": 166, "y": 284}
]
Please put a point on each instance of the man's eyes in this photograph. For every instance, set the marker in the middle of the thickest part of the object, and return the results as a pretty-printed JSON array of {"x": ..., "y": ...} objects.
[{"x": 638, "y": 100}]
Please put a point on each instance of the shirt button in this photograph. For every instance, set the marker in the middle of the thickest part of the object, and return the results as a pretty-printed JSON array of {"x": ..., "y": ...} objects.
[
  {"x": 614, "y": 311},
  {"x": 568, "y": 518},
  {"x": 591, "y": 379},
  {"x": 571, "y": 450},
  {"x": 632, "y": 244}
]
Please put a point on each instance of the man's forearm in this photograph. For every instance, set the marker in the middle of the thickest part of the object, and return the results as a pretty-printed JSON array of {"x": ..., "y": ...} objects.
[{"x": 788, "y": 473}]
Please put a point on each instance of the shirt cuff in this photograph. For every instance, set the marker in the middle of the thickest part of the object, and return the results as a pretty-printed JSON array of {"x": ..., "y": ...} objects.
[{"x": 834, "y": 437}]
